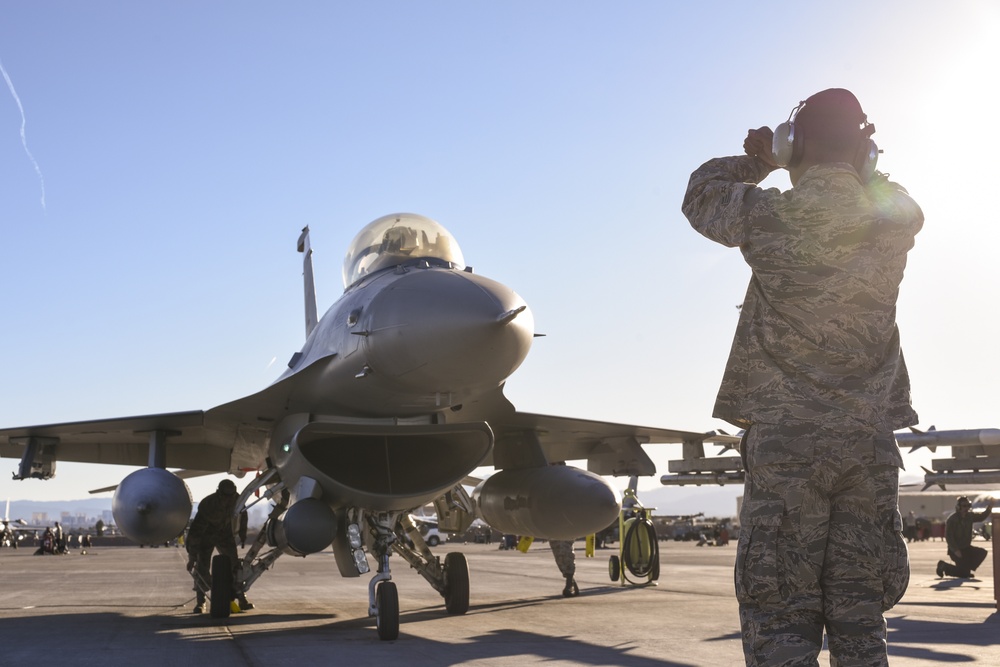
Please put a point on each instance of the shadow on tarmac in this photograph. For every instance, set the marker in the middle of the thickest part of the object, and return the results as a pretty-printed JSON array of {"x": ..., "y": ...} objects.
[{"x": 947, "y": 638}]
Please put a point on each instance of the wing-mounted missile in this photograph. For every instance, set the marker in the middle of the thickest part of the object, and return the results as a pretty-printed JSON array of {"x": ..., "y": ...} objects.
[
  {"x": 151, "y": 506},
  {"x": 550, "y": 502},
  {"x": 975, "y": 456},
  {"x": 923, "y": 439},
  {"x": 696, "y": 469},
  {"x": 725, "y": 441},
  {"x": 932, "y": 438}
]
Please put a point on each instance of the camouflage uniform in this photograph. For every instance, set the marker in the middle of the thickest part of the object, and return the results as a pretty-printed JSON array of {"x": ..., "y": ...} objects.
[
  {"x": 562, "y": 550},
  {"x": 817, "y": 378},
  {"x": 565, "y": 558},
  {"x": 212, "y": 529}
]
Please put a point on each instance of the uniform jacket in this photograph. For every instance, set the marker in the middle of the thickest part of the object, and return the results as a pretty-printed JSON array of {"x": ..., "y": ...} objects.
[
  {"x": 817, "y": 337},
  {"x": 213, "y": 523},
  {"x": 958, "y": 531}
]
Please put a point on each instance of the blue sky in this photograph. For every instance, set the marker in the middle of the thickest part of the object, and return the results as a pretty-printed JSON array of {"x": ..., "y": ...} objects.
[{"x": 159, "y": 159}]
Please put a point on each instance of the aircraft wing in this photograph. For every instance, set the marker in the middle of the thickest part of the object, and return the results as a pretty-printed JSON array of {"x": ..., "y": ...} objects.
[
  {"x": 610, "y": 449},
  {"x": 125, "y": 441},
  {"x": 228, "y": 438}
]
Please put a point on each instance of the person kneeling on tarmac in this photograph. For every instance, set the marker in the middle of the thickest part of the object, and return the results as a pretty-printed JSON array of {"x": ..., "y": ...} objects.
[
  {"x": 958, "y": 533},
  {"x": 212, "y": 529}
]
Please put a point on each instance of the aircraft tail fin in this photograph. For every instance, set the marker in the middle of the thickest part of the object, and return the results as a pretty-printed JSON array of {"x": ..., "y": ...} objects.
[{"x": 309, "y": 283}]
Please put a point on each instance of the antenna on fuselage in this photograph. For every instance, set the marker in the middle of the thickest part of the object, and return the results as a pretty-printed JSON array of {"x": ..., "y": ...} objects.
[{"x": 308, "y": 283}]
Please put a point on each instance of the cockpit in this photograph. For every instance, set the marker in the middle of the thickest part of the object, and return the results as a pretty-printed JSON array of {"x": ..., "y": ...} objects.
[{"x": 398, "y": 239}]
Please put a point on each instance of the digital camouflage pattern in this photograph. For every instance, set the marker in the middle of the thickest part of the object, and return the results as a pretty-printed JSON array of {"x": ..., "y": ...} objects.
[
  {"x": 817, "y": 377},
  {"x": 817, "y": 336},
  {"x": 821, "y": 544},
  {"x": 562, "y": 550}
]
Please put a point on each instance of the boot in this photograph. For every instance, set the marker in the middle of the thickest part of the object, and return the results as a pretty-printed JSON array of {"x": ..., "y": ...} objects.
[
  {"x": 940, "y": 569},
  {"x": 199, "y": 607},
  {"x": 245, "y": 605},
  {"x": 571, "y": 589}
]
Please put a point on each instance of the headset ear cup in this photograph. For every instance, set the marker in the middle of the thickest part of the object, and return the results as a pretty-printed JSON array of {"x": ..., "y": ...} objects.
[
  {"x": 783, "y": 144},
  {"x": 867, "y": 160}
]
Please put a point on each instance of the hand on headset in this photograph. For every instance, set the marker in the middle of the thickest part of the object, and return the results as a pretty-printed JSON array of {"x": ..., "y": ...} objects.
[{"x": 758, "y": 144}]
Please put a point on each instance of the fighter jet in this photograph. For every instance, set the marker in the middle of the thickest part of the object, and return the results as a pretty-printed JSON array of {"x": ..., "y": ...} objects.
[
  {"x": 15, "y": 531},
  {"x": 396, "y": 396}
]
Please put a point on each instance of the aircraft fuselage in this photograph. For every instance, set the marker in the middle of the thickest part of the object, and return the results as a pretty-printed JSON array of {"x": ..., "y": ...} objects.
[{"x": 413, "y": 340}]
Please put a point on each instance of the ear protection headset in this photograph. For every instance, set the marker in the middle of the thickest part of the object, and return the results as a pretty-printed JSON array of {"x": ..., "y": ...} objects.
[{"x": 787, "y": 145}]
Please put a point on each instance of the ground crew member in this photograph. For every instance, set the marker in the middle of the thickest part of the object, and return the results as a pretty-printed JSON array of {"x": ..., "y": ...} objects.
[
  {"x": 212, "y": 529},
  {"x": 566, "y": 562},
  {"x": 59, "y": 537},
  {"x": 958, "y": 533},
  {"x": 817, "y": 379}
]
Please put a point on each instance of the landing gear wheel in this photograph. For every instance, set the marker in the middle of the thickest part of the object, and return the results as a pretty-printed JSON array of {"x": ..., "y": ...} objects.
[
  {"x": 387, "y": 611},
  {"x": 614, "y": 568},
  {"x": 456, "y": 586},
  {"x": 222, "y": 586}
]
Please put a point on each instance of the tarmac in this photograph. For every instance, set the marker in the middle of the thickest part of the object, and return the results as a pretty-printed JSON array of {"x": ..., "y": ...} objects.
[{"x": 132, "y": 606}]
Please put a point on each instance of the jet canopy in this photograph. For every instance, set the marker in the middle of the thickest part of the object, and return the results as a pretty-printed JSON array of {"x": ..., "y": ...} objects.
[{"x": 398, "y": 239}]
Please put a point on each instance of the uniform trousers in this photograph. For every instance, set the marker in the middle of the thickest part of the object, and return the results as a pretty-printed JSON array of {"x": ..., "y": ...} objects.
[
  {"x": 966, "y": 564},
  {"x": 203, "y": 562},
  {"x": 821, "y": 545}
]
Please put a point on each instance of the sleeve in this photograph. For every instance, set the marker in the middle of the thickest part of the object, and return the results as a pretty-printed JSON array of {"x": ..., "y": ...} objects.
[
  {"x": 194, "y": 535},
  {"x": 894, "y": 203},
  {"x": 950, "y": 536},
  {"x": 720, "y": 194}
]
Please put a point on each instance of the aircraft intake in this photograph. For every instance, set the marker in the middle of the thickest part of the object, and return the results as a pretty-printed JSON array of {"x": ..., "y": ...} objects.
[
  {"x": 382, "y": 467},
  {"x": 554, "y": 502},
  {"x": 151, "y": 506}
]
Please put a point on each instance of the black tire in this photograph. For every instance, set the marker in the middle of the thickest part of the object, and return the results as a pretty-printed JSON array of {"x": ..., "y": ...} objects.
[
  {"x": 654, "y": 574},
  {"x": 456, "y": 584},
  {"x": 222, "y": 587},
  {"x": 614, "y": 568},
  {"x": 387, "y": 611}
]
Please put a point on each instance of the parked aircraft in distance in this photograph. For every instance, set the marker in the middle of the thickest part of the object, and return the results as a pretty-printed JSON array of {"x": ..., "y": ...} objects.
[
  {"x": 396, "y": 396},
  {"x": 14, "y": 531}
]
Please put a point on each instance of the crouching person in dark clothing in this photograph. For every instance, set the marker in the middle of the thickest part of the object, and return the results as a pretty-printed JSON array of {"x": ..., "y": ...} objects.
[
  {"x": 958, "y": 532},
  {"x": 212, "y": 529}
]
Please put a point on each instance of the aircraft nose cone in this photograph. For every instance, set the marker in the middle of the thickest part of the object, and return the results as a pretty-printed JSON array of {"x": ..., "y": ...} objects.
[{"x": 447, "y": 331}]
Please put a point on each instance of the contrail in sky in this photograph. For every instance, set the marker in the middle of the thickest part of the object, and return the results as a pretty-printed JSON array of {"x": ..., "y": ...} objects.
[{"x": 24, "y": 139}]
